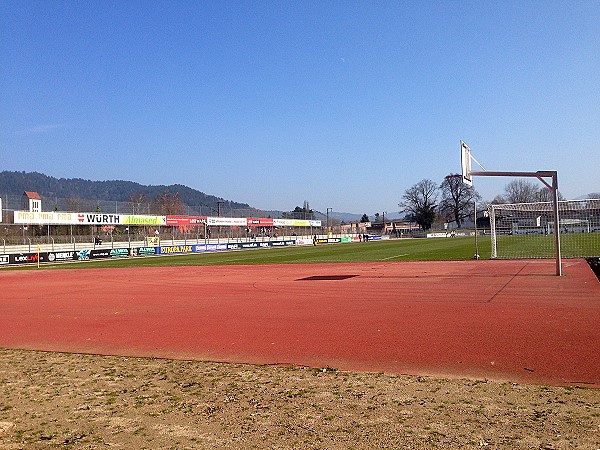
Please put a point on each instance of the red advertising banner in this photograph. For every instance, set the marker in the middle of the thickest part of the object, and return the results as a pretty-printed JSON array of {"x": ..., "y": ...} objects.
[
  {"x": 259, "y": 222},
  {"x": 185, "y": 220}
]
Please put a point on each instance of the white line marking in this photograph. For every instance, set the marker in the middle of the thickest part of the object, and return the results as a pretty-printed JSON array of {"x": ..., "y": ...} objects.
[{"x": 397, "y": 256}]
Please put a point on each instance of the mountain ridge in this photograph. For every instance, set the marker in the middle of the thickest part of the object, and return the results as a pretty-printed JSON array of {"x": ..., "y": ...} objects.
[{"x": 15, "y": 183}]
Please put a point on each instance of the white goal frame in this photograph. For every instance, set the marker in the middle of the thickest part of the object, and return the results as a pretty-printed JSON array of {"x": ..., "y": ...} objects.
[{"x": 541, "y": 175}]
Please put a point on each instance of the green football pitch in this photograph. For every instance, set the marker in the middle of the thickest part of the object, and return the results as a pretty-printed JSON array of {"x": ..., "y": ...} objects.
[
  {"x": 573, "y": 245},
  {"x": 437, "y": 249}
]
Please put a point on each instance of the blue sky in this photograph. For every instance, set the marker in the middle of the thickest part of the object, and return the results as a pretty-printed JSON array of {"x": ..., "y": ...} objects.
[{"x": 345, "y": 104}]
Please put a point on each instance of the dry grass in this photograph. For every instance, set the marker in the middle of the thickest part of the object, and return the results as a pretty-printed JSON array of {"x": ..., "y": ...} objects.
[{"x": 81, "y": 401}]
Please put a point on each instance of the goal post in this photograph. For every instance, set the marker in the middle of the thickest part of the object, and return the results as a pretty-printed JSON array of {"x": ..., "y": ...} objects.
[{"x": 543, "y": 176}]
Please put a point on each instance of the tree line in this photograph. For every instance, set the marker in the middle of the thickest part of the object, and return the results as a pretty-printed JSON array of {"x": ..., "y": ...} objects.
[{"x": 453, "y": 200}]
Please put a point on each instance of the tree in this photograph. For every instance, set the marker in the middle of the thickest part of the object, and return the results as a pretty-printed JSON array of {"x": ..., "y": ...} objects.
[
  {"x": 364, "y": 218},
  {"x": 521, "y": 191},
  {"x": 544, "y": 194},
  {"x": 457, "y": 199},
  {"x": 168, "y": 203},
  {"x": 420, "y": 202},
  {"x": 138, "y": 200},
  {"x": 498, "y": 200},
  {"x": 73, "y": 204}
]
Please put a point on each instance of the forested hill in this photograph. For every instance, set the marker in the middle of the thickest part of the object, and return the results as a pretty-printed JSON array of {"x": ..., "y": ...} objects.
[{"x": 15, "y": 183}]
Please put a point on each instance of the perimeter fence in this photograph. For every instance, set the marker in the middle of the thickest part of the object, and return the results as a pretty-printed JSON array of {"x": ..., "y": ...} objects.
[{"x": 32, "y": 235}]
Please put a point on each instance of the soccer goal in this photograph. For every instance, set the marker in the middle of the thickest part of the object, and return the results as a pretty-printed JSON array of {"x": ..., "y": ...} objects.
[
  {"x": 527, "y": 230},
  {"x": 548, "y": 177}
]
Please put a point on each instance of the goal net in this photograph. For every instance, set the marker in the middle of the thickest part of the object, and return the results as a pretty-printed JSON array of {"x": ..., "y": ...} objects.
[{"x": 526, "y": 230}]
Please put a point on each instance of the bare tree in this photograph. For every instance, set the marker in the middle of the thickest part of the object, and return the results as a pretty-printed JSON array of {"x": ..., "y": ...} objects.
[
  {"x": 74, "y": 204},
  {"x": 521, "y": 191},
  {"x": 138, "y": 200},
  {"x": 457, "y": 199},
  {"x": 420, "y": 202},
  {"x": 498, "y": 200},
  {"x": 168, "y": 203},
  {"x": 544, "y": 194}
]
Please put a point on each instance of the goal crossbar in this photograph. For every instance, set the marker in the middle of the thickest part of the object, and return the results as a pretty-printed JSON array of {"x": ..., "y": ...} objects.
[{"x": 540, "y": 175}]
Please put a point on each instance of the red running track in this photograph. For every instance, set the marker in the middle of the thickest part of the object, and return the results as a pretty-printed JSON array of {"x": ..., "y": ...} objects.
[{"x": 503, "y": 320}]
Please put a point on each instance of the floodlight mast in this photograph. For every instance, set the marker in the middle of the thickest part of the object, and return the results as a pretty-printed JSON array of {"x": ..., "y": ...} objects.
[{"x": 540, "y": 175}]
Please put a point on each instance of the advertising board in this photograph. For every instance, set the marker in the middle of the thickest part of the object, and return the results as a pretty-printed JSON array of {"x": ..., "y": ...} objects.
[
  {"x": 58, "y": 256},
  {"x": 296, "y": 223},
  {"x": 43, "y": 218},
  {"x": 94, "y": 218},
  {"x": 175, "y": 249},
  {"x": 143, "y": 220},
  {"x": 185, "y": 220},
  {"x": 144, "y": 251},
  {"x": 259, "y": 222},
  {"x": 83, "y": 255},
  {"x": 227, "y": 221},
  {"x": 23, "y": 258},
  {"x": 153, "y": 241},
  {"x": 67, "y": 218}
]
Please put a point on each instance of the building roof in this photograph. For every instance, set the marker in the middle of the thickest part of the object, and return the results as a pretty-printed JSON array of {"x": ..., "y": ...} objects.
[{"x": 32, "y": 195}]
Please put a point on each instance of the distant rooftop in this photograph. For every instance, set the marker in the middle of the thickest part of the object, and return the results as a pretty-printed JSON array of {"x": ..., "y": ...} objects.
[{"x": 32, "y": 195}]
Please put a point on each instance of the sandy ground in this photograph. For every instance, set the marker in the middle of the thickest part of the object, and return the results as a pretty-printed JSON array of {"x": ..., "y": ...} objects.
[{"x": 57, "y": 400}]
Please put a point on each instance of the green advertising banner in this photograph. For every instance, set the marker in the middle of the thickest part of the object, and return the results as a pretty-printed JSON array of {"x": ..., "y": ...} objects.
[{"x": 143, "y": 220}]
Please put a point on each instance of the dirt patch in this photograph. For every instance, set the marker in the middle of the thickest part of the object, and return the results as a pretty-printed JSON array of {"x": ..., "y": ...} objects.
[{"x": 80, "y": 401}]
